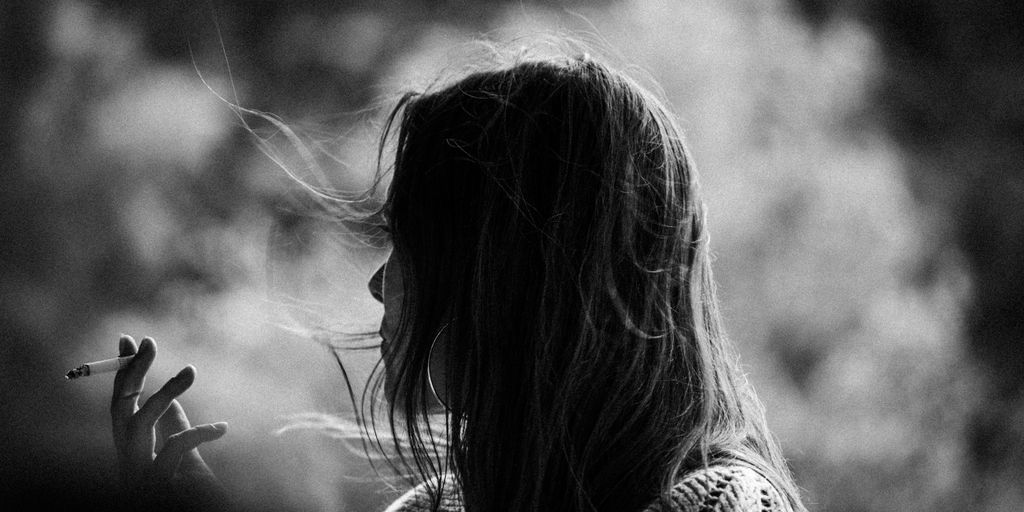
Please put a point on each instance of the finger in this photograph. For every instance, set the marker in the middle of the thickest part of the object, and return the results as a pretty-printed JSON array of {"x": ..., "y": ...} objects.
[
  {"x": 143, "y": 422},
  {"x": 121, "y": 407},
  {"x": 169, "y": 458},
  {"x": 155, "y": 406},
  {"x": 129, "y": 381},
  {"x": 135, "y": 372},
  {"x": 125, "y": 347}
]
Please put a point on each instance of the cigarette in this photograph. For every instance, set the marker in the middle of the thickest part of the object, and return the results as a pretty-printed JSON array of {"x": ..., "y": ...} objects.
[{"x": 104, "y": 366}]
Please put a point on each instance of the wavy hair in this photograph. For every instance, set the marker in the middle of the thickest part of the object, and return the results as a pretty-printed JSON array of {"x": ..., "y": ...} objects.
[{"x": 548, "y": 213}]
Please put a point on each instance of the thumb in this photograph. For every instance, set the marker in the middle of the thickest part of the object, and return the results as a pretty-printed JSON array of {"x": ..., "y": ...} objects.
[
  {"x": 175, "y": 420},
  {"x": 168, "y": 460}
]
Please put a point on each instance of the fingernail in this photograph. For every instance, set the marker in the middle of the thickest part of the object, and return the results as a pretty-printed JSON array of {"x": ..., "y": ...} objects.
[
  {"x": 122, "y": 344},
  {"x": 221, "y": 427}
]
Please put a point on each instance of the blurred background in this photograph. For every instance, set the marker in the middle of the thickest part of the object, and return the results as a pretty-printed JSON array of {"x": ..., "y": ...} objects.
[{"x": 861, "y": 160}]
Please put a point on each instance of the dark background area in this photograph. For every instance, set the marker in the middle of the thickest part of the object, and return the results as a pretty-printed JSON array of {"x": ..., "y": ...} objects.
[{"x": 862, "y": 162}]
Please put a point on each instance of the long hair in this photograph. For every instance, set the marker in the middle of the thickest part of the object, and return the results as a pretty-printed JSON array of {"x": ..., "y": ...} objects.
[{"x": 549, "y": 215}]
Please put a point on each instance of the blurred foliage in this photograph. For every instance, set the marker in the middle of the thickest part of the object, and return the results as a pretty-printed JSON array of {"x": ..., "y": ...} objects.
[
  {"x": 952, "y": 95},
  {"x": 859, "y": 161}
]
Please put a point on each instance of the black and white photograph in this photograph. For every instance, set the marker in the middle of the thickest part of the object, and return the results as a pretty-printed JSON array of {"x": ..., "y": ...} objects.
[{"x": 512, "y": 255}]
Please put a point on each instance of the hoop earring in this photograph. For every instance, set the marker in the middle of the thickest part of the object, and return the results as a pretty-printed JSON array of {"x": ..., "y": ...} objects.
[{"x": 430, "y": 353}]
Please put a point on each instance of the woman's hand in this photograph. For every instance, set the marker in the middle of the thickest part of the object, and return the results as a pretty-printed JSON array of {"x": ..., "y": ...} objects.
[{"x": 156, "y": 447}]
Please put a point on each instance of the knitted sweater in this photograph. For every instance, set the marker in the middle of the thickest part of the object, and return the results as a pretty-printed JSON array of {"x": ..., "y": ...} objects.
[{"x": 732, "y": 488}]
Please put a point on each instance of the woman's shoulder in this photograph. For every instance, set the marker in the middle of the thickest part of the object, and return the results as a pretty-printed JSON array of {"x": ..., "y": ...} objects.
[
  {"x": 724, "y": 488},
  {"x": 718, "y": 488}
]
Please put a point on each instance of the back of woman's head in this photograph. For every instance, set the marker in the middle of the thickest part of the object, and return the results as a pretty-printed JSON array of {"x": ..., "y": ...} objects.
[{"x": 548, "y": 214}]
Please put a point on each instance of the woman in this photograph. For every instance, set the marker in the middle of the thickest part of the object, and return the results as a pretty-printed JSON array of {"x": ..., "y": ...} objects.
[{"x": 550, "y": 292}]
